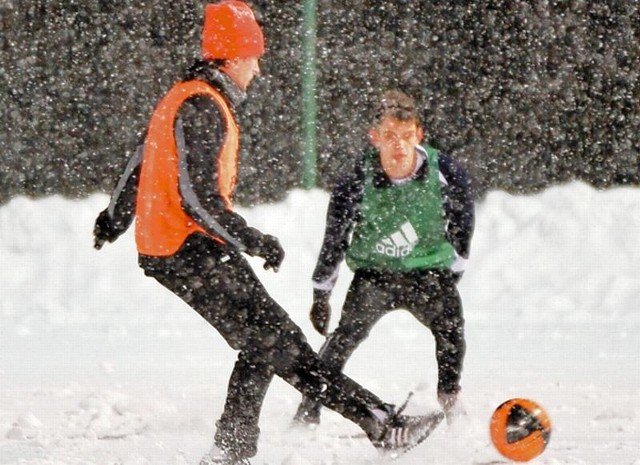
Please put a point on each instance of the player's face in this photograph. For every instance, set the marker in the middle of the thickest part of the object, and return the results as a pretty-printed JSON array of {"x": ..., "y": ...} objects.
[
  {"x": 396, "y": 141},
  {"x": 242, "y": 70}
]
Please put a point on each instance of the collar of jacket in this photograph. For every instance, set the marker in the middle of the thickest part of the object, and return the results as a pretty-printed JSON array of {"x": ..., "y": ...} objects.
[
  {"x": 207, "y": 72},
  {"x": 380, "y": 178}
]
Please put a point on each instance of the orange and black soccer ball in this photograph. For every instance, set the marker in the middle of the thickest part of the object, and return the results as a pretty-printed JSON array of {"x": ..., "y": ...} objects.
[{"x": 520, "y": 429}]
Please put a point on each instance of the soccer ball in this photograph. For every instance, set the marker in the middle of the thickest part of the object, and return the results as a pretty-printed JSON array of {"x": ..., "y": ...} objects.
[{"x": 520, "y": 429}]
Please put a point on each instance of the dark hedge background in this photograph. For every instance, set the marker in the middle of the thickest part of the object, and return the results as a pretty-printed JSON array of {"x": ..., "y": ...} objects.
[{"x": 526, "y": 94}]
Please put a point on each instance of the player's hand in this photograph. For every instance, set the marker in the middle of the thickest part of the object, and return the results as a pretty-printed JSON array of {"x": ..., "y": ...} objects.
[
  {"x": 320, "y": 311},
  {"x": 103, "y": 230},
  {"x": 270, "y": 249}
]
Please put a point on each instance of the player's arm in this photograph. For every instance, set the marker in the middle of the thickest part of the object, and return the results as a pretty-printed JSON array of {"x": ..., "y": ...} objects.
[
  {"x": 200, "y": 134},
  {"x": 341, "y": 218},
  {"x": 114, "y": 220},
  {"x": 459, "y": 206}
]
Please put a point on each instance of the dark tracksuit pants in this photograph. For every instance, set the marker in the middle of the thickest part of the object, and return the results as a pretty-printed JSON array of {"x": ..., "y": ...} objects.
[
  {"x": 430, "y": 295},
  {"x": 224, "y": 290}
]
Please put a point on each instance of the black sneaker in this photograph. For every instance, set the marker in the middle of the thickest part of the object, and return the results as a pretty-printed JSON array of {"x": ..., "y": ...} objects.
[
  {"x": 401, "y": 433},
  {"x": 396, "y": 433}
]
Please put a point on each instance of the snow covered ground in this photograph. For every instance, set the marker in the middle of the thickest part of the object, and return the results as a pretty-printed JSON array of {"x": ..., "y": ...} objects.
[{"x": 101, "y": 365}]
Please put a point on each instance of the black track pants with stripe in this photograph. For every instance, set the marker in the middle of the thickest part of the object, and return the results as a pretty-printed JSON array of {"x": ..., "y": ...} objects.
[
  {"x": 432, "y": 298},
  {"x": 225, "y": 291}
]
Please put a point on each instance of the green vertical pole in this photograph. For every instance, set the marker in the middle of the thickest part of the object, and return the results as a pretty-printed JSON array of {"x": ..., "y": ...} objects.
[{"x": 308, "y": 76}]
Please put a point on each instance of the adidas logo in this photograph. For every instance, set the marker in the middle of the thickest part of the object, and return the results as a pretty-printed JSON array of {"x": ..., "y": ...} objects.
[{"x": 400, "y": 243}]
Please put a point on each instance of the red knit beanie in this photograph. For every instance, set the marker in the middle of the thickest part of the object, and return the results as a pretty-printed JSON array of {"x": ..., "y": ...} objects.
[{"x": 231, "y": 31}]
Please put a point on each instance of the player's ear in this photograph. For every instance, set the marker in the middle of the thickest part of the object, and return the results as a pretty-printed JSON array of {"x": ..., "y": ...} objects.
[
  {"x": 374, "y": 136},
  {"x": 420, "y": 133}
]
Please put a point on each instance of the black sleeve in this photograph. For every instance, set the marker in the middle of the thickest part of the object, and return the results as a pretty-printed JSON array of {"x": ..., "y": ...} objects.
[
  {"x": 122, "y": 205},
  {"x": 342, "y": 214},
  {"x": 458, "y": 204},
  {"x": 200, "y": 134}
]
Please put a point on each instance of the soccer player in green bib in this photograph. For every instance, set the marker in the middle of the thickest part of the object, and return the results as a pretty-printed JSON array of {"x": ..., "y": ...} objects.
[{"x": 403, "y": 221}]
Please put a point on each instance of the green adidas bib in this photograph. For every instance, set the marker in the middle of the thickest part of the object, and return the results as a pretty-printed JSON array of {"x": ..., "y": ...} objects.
[{"x": 402, "y": 227}]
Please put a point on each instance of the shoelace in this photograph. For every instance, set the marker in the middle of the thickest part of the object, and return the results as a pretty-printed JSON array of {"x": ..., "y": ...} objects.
[
  {"x": 399, "y": 411},
  {"x": 404, "y": 405}
]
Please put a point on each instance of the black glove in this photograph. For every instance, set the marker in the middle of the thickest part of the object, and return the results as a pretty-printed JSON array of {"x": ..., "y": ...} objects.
[
  {"x": 270, "y": 249},
  {"x": 103, "y": 230},
  {"x": 320, "y": 311}
]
